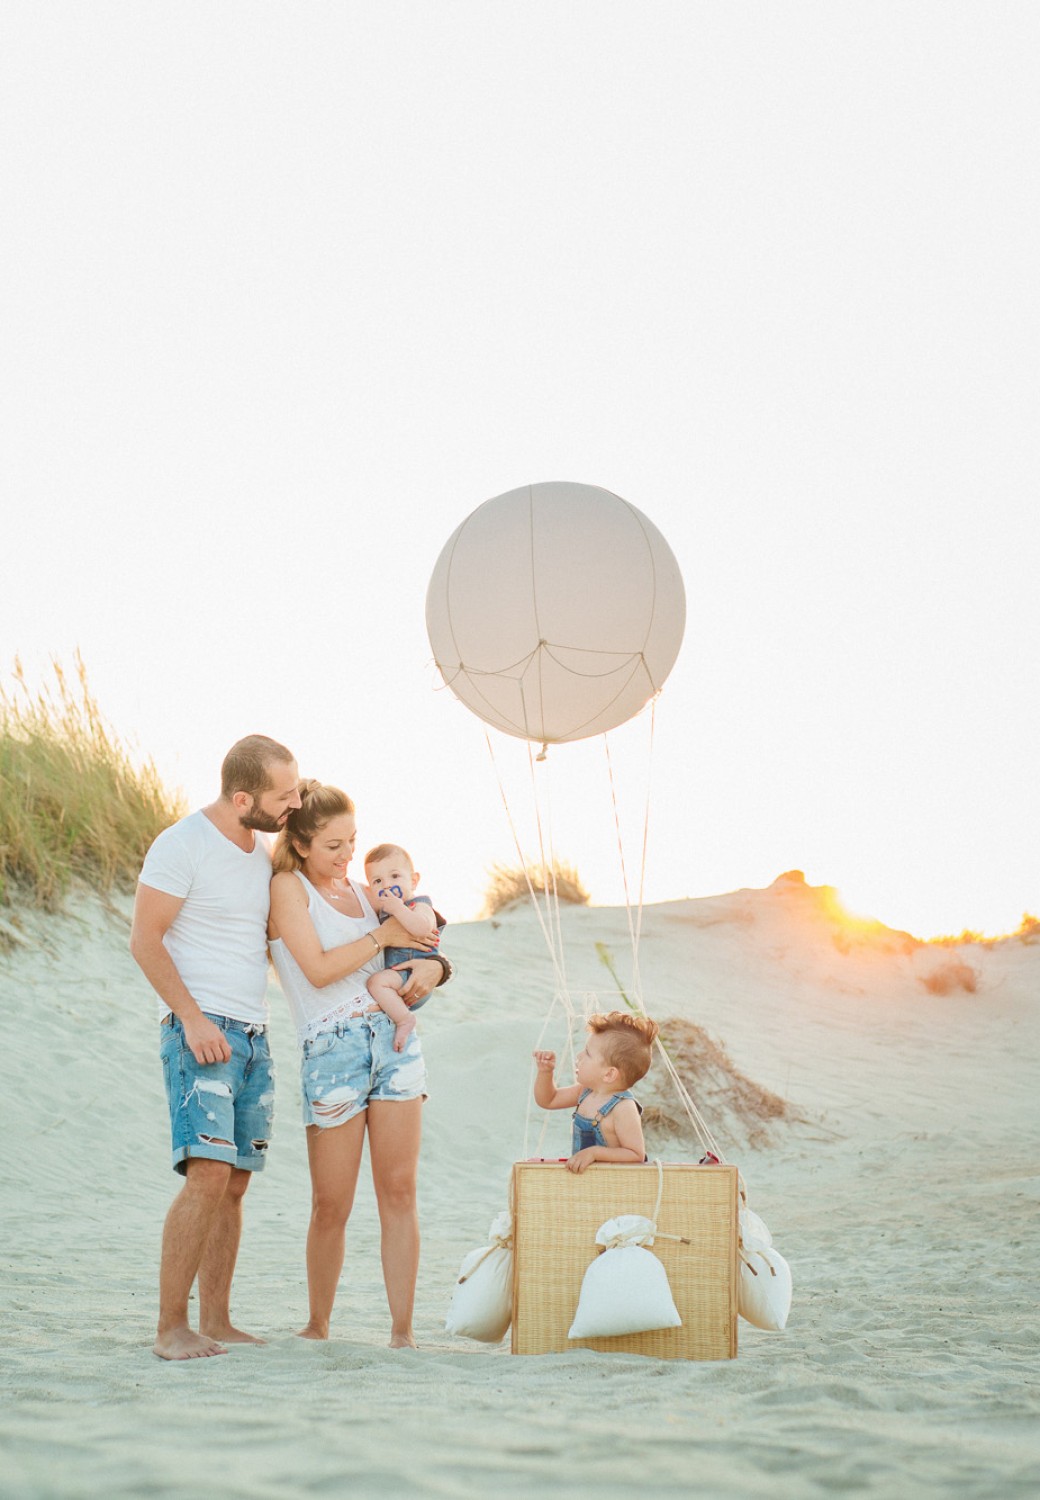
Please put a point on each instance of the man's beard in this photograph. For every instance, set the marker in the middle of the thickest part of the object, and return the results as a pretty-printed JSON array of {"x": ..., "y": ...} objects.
[{"x": 262, "y": 822}]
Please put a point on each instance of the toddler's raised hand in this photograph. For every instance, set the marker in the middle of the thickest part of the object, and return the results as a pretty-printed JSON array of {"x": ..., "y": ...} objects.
[{"x": 546, "y": 1061}]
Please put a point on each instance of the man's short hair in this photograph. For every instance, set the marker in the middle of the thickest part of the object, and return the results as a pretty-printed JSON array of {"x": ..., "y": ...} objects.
[{"x": 247, "y": 765}]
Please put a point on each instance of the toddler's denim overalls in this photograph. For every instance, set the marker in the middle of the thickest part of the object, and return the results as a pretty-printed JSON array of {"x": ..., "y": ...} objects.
[{"x": 585, "y": 1129}]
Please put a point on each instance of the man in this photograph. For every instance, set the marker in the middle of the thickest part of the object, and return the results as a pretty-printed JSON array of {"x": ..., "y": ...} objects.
[{"x": 200, "y": 936}]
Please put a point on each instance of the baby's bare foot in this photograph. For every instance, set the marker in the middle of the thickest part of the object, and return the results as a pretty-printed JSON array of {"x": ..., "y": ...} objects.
[{"x": 403, "y": 1032}]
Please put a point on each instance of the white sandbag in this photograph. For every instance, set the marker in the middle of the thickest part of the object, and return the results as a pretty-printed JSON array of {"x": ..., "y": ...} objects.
[
  {"x": 752, "y": 1227},
  {"x": 624, "y": 1290},
  {"x": 764, "y": 1295},
  {"x": 482, "y": 1302}
]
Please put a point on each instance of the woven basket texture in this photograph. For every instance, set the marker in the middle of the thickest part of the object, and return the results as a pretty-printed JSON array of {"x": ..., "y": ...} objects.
[{"x": 556, "y": 1214}]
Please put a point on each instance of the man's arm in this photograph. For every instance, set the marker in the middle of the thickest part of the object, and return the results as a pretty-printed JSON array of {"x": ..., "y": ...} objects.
[{"x": 154, "y": 912}]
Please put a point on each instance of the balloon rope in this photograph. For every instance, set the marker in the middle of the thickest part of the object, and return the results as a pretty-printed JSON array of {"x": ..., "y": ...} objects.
[
  {"x": 548, "y": 858},
  {"x": 646, "y": 819},
  {"x": 547, "y": 935},
  {"x": 697, "y": 1120},
  {"x": 547, "y": 855},
  {"x": 632, "y": 936},
  {"x": 527, "y": 1152},
  {"x": 561, "y": 995}
]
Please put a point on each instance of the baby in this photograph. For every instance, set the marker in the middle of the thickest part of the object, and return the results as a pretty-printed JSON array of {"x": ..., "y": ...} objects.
[
  {"x": 392, "y": 882},
  {"x": 606, "y": 1124}
]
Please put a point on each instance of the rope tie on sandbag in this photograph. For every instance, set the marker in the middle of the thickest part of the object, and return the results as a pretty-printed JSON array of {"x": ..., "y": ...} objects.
[
  {"x": 646, "y": 1236},
  {"x": 747, "y": 1262},
  {"x": 498, "y": 1242},
  {"x": 679, "y": 1239}
]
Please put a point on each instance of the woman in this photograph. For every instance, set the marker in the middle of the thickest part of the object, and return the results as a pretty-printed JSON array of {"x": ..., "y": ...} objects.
[{"x": 325, "y": 942}]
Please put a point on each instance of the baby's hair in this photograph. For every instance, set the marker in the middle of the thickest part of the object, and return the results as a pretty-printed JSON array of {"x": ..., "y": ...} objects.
[
  {"x": 628, "y": 1043},
  {"x": 387, "y": 851},
  {"x": 319, "y": 804}
]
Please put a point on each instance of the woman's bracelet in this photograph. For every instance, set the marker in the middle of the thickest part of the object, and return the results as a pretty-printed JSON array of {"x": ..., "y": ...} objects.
[{"x": 378, "y": 945}]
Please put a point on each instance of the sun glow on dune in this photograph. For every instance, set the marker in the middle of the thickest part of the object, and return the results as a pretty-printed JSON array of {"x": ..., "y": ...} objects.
[
  {"x": 932, "y": 914},
  {"x": 855, "y": 923}
]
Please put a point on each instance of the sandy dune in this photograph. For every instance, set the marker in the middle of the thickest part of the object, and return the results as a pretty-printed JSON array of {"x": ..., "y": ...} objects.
[{"x": 903, "y": 1190}]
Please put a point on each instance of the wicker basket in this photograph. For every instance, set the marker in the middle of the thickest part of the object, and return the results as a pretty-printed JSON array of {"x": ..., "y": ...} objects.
[{"x": 556, "y": 1214}]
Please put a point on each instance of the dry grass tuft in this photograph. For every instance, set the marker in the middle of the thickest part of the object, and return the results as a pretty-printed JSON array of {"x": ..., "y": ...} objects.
[
  {"x": 1027, "y": 931},
  {"x": 731, "y": 1104},
  {"x": 73, "y": 804},
  {"x": 507, "y": 884},
  {"x": 955, "y": 975}
]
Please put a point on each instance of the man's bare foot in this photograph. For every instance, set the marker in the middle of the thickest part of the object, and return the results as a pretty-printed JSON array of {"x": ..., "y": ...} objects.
[
  {"x": 403, "y": 1341},
  {"x": 314, "y": 1330},
  {"x": 184, "y": 1343},
  {"x": 403, "y": 1032},
  {"x": 229, "y": 1335}
]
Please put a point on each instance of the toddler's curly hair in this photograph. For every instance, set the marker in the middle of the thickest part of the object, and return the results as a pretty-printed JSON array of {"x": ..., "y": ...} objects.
[{"x": 628, "y": 1043}]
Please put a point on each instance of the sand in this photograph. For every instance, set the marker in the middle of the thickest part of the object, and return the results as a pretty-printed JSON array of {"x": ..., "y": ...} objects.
[{"x": 902, "y": 1189}]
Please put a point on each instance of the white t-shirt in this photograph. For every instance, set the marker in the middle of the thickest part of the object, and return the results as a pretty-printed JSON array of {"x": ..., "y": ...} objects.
[
  {"x": 317, "y": 1009},
  {"x": 218, "y": 939}
]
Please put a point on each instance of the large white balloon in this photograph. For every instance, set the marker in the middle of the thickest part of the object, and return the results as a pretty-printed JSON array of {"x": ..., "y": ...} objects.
[{"x": 556, "y": 611}]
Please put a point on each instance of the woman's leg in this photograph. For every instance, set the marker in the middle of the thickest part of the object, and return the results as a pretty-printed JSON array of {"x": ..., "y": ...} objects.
[
  {"x": 394, "y": 1130},
  {"x": 334, "y": 1153}
]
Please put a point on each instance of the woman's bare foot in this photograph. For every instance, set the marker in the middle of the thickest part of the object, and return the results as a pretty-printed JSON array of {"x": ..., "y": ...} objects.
[
  {"x": 403, "y": 1032},
  {"x": 230, "y": 1335},
  {"x": 314, "y": 1330},
  {"x": 403, "y": 1341},
  {"x": 184, "y": 1343}
]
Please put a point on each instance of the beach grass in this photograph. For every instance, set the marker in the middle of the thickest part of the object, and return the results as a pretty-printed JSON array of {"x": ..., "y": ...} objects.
[
  {"x": 509, "y": 883},
  {"x": 1027, "y": 931},
  {"x": 75, "y": 805}
]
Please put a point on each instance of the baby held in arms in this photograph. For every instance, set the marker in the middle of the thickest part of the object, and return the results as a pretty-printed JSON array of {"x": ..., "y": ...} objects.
[
  {"x": 392, "y": 882},
  {"x": 606, "y": 1124}
]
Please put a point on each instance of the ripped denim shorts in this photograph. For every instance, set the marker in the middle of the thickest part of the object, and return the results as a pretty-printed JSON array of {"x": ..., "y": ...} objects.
[
  {"x": 222, "y": 1111},
  {"x": 345, "y": 1068}
]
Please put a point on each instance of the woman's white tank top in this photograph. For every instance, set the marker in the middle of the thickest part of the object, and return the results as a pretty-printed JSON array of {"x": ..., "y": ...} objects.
[{"x": 313, "y": 1009}]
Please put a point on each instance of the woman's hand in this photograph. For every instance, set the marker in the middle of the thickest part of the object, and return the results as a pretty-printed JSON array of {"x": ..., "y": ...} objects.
[{"x": 426, "y": 975}]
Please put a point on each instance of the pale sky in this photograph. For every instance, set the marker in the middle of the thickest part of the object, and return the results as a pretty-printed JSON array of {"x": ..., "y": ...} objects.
[{"x": 289, "y": 289}]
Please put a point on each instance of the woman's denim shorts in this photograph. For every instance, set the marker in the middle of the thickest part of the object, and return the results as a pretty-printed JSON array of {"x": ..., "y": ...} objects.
[{"x": 343, "y": 1069}]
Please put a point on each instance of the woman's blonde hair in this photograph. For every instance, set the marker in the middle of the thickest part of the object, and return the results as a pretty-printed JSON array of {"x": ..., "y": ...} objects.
[
  {"x": 319, "y": 804},
  {"x": 628, "y": 1043}
]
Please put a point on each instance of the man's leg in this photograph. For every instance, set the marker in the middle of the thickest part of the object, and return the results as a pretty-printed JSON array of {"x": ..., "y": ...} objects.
[
  {"x": 186, "y": 1232},
  {"x": 218, "y": 1265}
]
